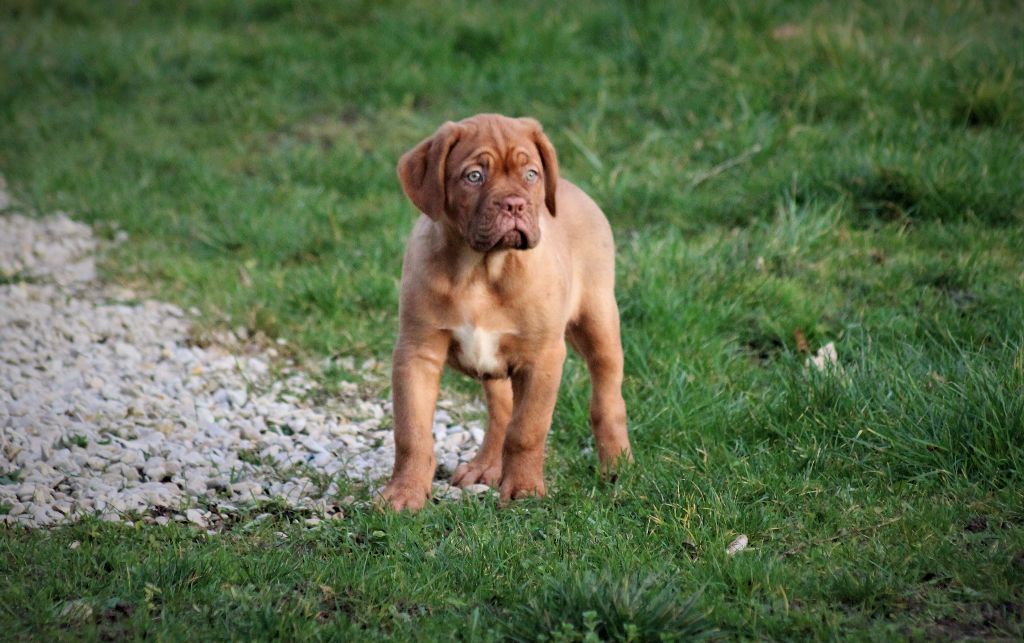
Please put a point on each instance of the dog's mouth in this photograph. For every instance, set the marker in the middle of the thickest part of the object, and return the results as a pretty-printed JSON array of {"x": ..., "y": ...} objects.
[
  {"x": 513, "y": 240},
  {"x": 511, "y": 234}
]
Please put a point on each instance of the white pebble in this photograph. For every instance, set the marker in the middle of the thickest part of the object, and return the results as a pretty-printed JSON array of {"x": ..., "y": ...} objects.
[{"x": 737, "y": 545}]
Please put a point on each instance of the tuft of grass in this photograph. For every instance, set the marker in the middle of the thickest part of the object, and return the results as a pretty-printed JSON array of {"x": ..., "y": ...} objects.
[
  {"x": 11, "y": 476},
  {"x": 589, "y": 606},
  {"x": 15, "y": 278}
]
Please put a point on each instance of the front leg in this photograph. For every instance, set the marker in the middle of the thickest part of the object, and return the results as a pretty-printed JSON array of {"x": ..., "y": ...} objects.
[
  {"x": 485, "y": 468},
  {"x": 415, "y": 381},
  {"x": 534, "y": 392}
]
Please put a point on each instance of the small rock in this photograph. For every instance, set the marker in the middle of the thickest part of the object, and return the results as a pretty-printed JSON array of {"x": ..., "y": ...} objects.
[
  {"x": 825, "y": 359},
  {"x": 127, "y": 351},
  {"x": 196, "y": 517},
  {"x": 77, "y": 610},
  {"x": 737, "y": 545},
  {"x": 455, "y": 440}
]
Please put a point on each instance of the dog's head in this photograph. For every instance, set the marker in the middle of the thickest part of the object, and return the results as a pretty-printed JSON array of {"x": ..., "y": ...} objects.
[{"x": 491, "y": 177}]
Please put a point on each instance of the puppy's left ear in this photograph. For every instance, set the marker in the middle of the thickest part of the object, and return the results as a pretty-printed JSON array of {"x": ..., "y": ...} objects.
[
  {"x": 548, "y": 159},
  {"x": 421, "y": 170}
]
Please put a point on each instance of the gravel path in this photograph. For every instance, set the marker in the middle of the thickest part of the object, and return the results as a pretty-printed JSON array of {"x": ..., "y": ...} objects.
[{"x": 107, "y": 407}]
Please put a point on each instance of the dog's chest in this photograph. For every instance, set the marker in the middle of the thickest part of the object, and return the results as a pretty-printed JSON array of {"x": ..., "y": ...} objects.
[{"x": 478, "y": 350}]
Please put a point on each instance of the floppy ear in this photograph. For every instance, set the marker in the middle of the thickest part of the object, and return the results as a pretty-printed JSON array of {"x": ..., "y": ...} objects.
[
  {"x": 421, "y": 170},
  {"x": 549, "y": 160}
]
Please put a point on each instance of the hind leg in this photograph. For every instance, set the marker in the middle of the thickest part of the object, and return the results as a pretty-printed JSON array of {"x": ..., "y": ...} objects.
[
  {"x": 485, "y": 467},
  {"x": 595, "y": 336}
]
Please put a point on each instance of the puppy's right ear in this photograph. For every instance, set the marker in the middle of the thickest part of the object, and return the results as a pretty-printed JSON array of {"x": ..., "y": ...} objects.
[{"x": 421, "y": 170}]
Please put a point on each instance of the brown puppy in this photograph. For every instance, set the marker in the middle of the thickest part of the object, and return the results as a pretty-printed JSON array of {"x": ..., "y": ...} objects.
[{"x": 506, "y": 263}]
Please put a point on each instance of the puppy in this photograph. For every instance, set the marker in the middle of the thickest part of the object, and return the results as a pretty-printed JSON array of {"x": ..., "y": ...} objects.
[{"x": 506, "y": 263}]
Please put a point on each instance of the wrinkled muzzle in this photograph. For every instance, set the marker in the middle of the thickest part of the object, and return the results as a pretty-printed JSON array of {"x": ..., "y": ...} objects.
[{"x": 506, "y": 224}]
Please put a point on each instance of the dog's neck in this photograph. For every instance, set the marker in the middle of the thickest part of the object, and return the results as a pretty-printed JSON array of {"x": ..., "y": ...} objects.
[
  {"x": 492, "y": 266},
  {"x": 465, "y": 265}
]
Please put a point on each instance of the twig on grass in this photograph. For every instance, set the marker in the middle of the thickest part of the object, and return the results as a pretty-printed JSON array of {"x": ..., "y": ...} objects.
[
  {"x": 700, "y": 177},
  {"x": 583, "y": 149}
]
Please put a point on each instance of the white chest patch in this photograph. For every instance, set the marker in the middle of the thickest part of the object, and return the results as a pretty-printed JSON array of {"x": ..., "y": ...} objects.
[{"x": 478, "y": 348}]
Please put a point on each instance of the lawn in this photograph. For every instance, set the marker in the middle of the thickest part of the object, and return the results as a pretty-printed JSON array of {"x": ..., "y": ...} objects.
[{"x": 779, "y": 175}]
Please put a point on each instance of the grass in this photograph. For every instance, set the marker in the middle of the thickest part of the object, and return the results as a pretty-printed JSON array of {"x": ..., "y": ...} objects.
[{"x": 838, "y": 172}]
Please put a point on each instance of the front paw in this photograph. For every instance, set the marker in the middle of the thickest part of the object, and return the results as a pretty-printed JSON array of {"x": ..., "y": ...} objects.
[
  {"x": 521, "y": 481},
  {"x": 613, "y": 457},
  {"x": 486, "y": 472},
  {"x": 402, "y": 493}
]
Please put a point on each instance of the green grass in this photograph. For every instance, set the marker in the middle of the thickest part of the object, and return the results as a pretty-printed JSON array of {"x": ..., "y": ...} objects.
[{"x": 855, "y": 175}]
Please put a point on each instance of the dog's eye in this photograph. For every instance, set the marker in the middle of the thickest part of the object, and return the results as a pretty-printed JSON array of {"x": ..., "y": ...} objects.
[
  {"x": 475, "y": 177},
  {"x": 531, "y": 176}
]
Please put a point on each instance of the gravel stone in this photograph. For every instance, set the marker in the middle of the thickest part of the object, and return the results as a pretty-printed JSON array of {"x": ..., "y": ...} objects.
[
  {"x": 110, "y": 407},
  {"x": 195, "y": 516}
]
